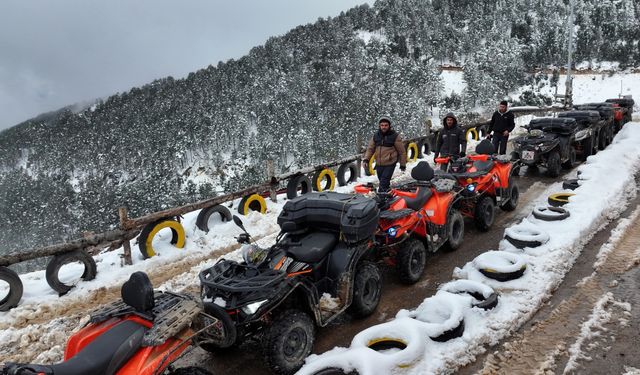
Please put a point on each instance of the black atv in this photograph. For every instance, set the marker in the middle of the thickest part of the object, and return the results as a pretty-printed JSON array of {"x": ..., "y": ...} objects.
[
  {"x": 317, "y": 269},
  {"x": 590, "y": 126},
  {"x": 607, "y": 116},
  {"x": 550, "y": 142}
]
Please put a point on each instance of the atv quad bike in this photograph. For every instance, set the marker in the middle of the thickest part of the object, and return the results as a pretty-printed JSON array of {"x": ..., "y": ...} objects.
[
  {"x": 140, "y": 335},
  {"x": 609, "y": 125},
  {"x": 550, "y": 142},
  {"x": 316, "y": 270},
  {"x": 590, "y": 126},
  {"x": 416, "y": 218},
  {"x": 623, "y": 108},
  {"x": 484, "y": 181}
]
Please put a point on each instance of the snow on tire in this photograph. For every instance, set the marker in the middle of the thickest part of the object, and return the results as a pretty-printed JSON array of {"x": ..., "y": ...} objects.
[
  {"x": 485, "y": 297},
  {"x": 58, "y": 261},
  {"x": 550, "y": 213},
  {"x": 526, "y": 234},
  {"x": 559, "y": 199},
  {"x": 441, "y": 318},
  {"x": 145, "y": 240},
  {"x": 571, "y": 184},
  {"x": 500, "y": 265},
  {"x": 399, "y": 334},
  {"x": 15, "y": 289}
]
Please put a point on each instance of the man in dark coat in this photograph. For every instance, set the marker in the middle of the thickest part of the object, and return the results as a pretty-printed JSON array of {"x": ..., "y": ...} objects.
[
  {"x": 451, "y": 140},
  {"x": 502, "y": 123},
  {"x": 388, "y": 149}
]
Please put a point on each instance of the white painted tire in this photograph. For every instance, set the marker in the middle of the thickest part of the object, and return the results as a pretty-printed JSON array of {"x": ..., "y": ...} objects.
[
  {"x": 500, "y": 265},
  {"x": 526, "y": 234}
]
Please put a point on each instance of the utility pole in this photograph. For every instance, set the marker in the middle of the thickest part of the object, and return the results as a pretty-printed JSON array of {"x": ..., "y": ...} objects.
[{"x": 568, "y": 94}]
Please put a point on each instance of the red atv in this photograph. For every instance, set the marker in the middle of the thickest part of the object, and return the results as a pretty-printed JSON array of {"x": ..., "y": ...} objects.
[
  {"x": 421, "y": 213},
  {"x": 140, "y": 335},
  {"x": 485, "y": 180}
]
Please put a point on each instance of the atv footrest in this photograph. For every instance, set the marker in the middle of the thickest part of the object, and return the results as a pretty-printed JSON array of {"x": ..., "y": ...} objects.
[{"x": 395, "y": 215}]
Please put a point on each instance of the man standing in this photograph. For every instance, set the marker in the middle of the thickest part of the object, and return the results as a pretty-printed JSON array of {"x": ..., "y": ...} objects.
[
  {"x": 388, "y": 149},
  {"x": 502, "y": 123},
  {"x": 451, "y": 139}
]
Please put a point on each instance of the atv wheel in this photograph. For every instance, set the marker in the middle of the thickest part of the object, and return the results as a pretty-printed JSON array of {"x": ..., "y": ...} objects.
[
  {"x": 191, "y": 370},
  {"x": 602, "y": 138},
  {"x": 455, "y": 230},
  {"x": 213, "y": 343},
  {"x": 288, "y": 341},
  {"x": 411, "y": 260},
  {"x": 572, "y": 159},
  {"x": 553, "y": 164},
  {"x": 484, "y": 213},
  {"x": 587, "y": 148},
  {"x": 514, "y": 196},
  {"x": 367, "y": 288}
]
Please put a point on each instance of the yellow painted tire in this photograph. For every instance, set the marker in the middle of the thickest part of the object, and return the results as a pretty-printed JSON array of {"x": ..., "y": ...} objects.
[
  {"x": 412, "y": 152},
  {"x": 253, "y": 202},
  {"x": 322, "y": 175},
  {"x": 371, "y": 170},
  {"x": 559, "y": 199},
  {"x": 145, "y": 241},
  {"x": 474, "y": 134}
]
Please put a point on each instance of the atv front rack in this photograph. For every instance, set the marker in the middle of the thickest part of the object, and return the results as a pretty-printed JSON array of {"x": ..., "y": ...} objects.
[{"x": 239, "y": 284}]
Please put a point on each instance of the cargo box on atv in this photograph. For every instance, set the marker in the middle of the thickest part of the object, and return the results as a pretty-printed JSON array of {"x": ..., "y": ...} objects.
[
  {"x": 605, "y": 109},
  {"x": 623, "y": 102},
  {"x": 355, "y": 217},
  {"x": 563, "y": 126},
  {"x": 586, "y": 118}
]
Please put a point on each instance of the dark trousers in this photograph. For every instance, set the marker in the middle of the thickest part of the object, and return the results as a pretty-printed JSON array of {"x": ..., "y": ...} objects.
[
  {"x": 384, "y": 174},
  {"x": 500, "y": 140}
]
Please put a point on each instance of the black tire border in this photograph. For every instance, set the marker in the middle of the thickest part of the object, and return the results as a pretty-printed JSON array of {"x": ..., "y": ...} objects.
[
  {"x": 340, "y": 176},
  {"x": 292, "y": 186},
  {"x": 219, "y": 313},
  {"x": 504, "y": 276},
  {"x": 202, "y": 222},
  {"x": 16, "y": 288},
  {"x": 58, "y": 260},
  {"x": 563, "y": 214}
]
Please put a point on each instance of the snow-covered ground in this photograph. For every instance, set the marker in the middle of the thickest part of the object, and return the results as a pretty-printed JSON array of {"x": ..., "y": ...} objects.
[
  {"x": 37, "y": 329},
  {"x": 602, "y": 196}
]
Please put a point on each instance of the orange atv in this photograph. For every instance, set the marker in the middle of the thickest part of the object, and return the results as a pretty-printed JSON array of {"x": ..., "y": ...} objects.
[
  {"x": 484, "y": 180},
  {"x": 418, "y": 214},
  {"x": 140, "y": 335}
]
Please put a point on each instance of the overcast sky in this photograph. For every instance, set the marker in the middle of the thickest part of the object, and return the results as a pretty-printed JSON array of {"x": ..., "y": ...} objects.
[{"x": 56, "y": 53}]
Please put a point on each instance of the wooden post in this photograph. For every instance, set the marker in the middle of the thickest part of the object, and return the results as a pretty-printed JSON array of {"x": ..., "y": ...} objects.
[
  {"x": 273, "y": 187},
  {"x": 126, "y": 245}
]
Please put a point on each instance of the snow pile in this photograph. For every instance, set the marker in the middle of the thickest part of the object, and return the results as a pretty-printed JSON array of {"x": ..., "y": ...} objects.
[{"x": 602, "y": 196}]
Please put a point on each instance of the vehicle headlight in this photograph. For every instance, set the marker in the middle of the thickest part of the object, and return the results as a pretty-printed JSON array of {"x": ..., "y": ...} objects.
[
  {"x": 471, "y": 187},
  {"x": 253, "y": 254},
  {"x": 253, "y": 307},
  {"x": 581, "y": 135},
  {"x": 392, "y": 232}
]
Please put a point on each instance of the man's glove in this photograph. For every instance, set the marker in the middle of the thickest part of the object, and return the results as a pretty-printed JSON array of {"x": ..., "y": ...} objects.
[{"x": 403, "y": 168}]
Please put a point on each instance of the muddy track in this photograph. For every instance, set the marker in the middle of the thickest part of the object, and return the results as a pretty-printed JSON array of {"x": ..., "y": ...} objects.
[{"x": 541, "y": 347}]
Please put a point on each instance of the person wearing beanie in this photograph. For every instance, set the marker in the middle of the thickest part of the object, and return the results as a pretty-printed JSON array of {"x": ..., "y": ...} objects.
[
  {"x": 388, "y": 149},
  {"x": 451, "y": 139},
  {"x": 502, "y": 123}
]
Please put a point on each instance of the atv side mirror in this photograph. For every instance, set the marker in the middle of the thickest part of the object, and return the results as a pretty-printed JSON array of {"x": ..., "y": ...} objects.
[{"x": 238, "y": 222}]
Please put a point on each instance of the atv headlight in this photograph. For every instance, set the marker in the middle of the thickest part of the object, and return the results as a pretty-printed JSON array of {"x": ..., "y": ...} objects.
[
  {"x": 471, "y": 188},
  {"x": 582, "y": 134},
  {"x": 253, "y": 254},
  {"x": 253, "y": 307},
  {"x": 392, "y": 232}
]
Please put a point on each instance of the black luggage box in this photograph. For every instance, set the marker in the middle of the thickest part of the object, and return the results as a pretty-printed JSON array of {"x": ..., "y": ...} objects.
[
  {"x": 564, "y": 126},
  {"x": 605, "y": 109},
  {"x": 352, "y": 215},
  {"x": 582, "y": 117},
  {"x": 623, "y": 102}
]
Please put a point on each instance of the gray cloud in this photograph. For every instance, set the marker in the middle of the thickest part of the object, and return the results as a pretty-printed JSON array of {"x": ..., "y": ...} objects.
[{"x": 56, "y": 53}]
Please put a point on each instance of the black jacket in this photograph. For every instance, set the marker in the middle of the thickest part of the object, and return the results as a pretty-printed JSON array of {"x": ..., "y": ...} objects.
[
  {"x": 451, "y": 141},
  {"x": 502, "y": 121}
]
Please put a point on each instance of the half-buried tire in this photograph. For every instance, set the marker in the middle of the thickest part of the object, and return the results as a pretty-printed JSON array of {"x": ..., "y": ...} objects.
[
  {"x": 53, "y": 269},
  {"x": 202, "y": 222},
  {"x": 13, "y": 296},
  {"x": 145, "y": 241},
  {"x": 559, "y": 199},
  {"x": 324, "y": 180},
  {"x": 301, "y": 182},
  {"x": 571, "y": 184},
  {"x": 500, "y": 265},
  {"x": 253, "y": 202},
  {"x": 345, "y": 168},
  {"x": 550, "y": 213}
]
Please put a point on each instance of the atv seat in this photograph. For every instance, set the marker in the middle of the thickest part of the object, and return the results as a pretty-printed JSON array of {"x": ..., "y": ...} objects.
[
  {"x": 104, "y": 355},
  {"x": 312, "y": 247},
  {"x": 422, "y": 196},
  {"x": 137, "y": 292},
  {"x": 484, "y": 166}
]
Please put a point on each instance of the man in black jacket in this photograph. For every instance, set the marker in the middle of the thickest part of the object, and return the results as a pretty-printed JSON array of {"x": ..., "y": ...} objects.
[
  {"x": 502, "y": 123},
  {"x": 451, "y": 140}
]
